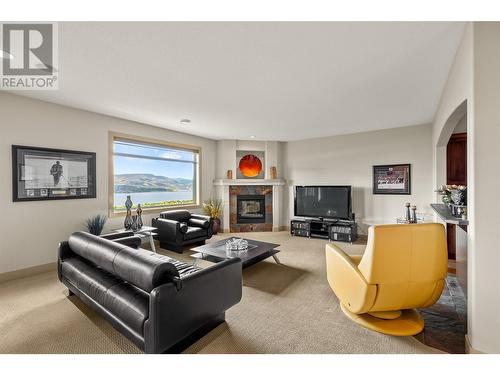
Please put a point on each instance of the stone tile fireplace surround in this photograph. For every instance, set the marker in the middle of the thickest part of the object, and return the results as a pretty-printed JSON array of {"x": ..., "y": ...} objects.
[
  {"x": 266, "y": 183},
  {"x": 249, "y": 191},
  {"x": 229, "y": 189}
]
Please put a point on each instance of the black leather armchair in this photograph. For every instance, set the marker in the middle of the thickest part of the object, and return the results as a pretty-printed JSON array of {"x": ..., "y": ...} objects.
[
  {"x": 159, "y": 303},
  {"x": 178, "y": 228}
]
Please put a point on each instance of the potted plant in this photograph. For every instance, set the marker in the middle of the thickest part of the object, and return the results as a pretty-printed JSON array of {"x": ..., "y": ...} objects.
[
  {"x": 95, "y": 224},
  {"x": 213, "y": 208}
]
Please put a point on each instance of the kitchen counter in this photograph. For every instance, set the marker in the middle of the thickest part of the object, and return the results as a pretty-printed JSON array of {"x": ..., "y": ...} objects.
[{"x": 444, "y": 213}]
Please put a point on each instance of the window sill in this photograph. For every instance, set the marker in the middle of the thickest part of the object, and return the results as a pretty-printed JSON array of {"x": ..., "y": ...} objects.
[{"x": 154, "y": 210}]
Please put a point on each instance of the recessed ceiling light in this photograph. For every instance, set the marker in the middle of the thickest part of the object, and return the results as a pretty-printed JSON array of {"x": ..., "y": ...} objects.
[
  {"x": 5, "y": 55},
  {"x": 252, "y": 136},
  {"x": 185, "y": 121}
]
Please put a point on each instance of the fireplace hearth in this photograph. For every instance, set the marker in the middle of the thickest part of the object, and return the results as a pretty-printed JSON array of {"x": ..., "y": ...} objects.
[{"x": 251, "y": 209}]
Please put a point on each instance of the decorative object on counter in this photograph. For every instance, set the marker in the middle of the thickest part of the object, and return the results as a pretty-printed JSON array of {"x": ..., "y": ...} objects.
[
  {"x": 273, "y": 172},
  {"x": 139, "y": 216},
  {"x": 236, "y": 244},
  {"x": 407, "y": 214},
  {"x": 455, "y": 197},
  {"x": 229, "y": 174},
  {"x": 213, "y": 208},
  {"x": 127, "y": 223},
  {"x": 95, "y": 224},
  {"x": 134, "y": 227},
  {"x": 463, "y": 212},
  {"x": 392, "y": 179},
  {"x": 413, "y": 214}
]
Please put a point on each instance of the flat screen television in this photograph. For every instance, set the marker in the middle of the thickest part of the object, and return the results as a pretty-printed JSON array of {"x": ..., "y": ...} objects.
[{"x": 329, "y": 202}]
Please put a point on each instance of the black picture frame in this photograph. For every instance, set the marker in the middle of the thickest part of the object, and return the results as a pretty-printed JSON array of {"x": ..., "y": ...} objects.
[
  {"x": 72, "y": 174},
  {"x": 382, "y": 172}
]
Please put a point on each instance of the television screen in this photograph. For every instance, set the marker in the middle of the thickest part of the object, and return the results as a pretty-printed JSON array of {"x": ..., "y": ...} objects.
[{"x": 323, "y": 201}]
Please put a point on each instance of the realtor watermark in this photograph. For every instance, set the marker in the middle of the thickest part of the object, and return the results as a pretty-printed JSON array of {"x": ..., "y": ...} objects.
[{"x": 29, "y": 56}]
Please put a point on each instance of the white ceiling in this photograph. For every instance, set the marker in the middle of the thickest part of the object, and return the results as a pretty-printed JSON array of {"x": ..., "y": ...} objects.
[{"x": 277, "y": 81}]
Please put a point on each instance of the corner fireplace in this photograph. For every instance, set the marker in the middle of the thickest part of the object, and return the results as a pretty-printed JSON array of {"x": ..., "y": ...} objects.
[{"x": 251, "y": 209}]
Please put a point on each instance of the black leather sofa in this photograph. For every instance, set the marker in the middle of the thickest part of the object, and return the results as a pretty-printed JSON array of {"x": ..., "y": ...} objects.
[
  {"x": 160, "y": 304},
  {"x": 178, "y": 228}
]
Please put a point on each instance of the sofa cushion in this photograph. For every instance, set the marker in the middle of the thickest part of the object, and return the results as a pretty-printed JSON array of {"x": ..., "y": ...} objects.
[
  {"x": 194, "y": 232},
  {"x": 129, "y": 304},
  {"x": 91, "y": 280},
  {"x": 142, "y": 268},
  {"x": 176, "y": 215},
  {"x": 199, "y": 223},
  {"x": 97, "y": 250}
]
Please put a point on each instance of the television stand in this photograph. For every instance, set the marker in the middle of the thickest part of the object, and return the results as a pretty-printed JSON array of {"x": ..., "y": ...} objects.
[{"x": 334, "y": 230}]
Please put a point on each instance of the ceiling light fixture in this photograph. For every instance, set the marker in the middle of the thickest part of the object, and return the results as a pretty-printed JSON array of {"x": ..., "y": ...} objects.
[
  {"x": 252, "y": 136},
  {"x": 185, "y": 121},
  {"x": 5, "y": 55}
]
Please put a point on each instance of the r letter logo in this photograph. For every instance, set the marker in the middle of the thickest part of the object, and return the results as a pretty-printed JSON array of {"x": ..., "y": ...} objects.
[{"x": 29, "y": 56}]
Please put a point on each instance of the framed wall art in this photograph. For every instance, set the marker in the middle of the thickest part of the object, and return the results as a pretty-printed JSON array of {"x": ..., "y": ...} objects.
[
  {"x": 47, "y": 173},
  {"x": 392, "y": 179}
]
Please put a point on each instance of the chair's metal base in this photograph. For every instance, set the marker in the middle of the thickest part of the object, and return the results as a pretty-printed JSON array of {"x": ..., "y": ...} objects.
[{"x": 409, "y": 323}]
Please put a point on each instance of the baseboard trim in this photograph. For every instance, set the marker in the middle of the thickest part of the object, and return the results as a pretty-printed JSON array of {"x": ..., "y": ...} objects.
[
  {"x": 279, "y": 229},
  {"x": 469, "y": 349},
  {"x": 26, "y": 272},
  {"x": 275, "y": 229}
]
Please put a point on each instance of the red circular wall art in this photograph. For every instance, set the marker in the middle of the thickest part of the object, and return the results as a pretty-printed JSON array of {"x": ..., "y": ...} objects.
[{"x": 250, "y": 165}]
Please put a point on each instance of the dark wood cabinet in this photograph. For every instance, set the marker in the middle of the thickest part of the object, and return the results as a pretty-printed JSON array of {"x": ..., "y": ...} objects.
[
  {"x": 456, "y": 159},
  {"x": 456, "y": 174}
]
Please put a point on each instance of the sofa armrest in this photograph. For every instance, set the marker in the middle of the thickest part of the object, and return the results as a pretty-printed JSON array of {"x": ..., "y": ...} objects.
[
  {"x": 132, "y": 241},
  {"x": 347, "y": 282},
  {"x": 210, "y": 230},
  {"x": 201, "y": 217},
  {"x": 117, "y": 235},
  {"x": 199, "y": 223},
  {"x": 168, "y": 230},
  {"x": 126, "y": 238},
  {"x": 177, "y": 311},
  {"x": 63, "y": 252}
]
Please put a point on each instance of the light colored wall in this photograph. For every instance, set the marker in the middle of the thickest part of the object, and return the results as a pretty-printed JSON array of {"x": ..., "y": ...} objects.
[
  {"x": 483, "y": 140},
  {"x": 457, "y": 90},
  {"x": 348, "y": 160},
  {"x": 226, "y": 155},
  {"x": 226, "y": 158},
  {"x": 474, "y": 80},
  {"x": 32, "y": 230},
  {"x": 461, "y": 126}
]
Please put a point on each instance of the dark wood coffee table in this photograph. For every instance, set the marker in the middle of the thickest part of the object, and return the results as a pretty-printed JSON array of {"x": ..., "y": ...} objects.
[{"x": 257, "y": 251}]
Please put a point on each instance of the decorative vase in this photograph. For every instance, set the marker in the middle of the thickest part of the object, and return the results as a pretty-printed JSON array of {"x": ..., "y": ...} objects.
[
  {"x": 407, "y": 215},
  {"x": 414, "y": 214},
  {"x": 215, "y": 225},
  {"x": 457, "y": 196},
  {"x": 127, "y": 223},
  {"x": 134, "y": 226},
  {"x": 229, "y": 174},
  {"x": 139, "y": 216},
  {"x": 128, "y": 203},
  {"x": 273, "y": 173}
]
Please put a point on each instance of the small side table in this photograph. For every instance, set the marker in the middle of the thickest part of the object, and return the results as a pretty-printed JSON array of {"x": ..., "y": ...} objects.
[{"x": 145, "y": 232}]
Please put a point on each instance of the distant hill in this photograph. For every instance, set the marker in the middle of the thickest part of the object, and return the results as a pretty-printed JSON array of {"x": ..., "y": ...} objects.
[{"x": 139, "y": 182}]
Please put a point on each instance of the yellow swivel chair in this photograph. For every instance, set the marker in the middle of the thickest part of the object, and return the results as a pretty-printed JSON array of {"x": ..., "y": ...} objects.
[{"x": 403, "y": 267}]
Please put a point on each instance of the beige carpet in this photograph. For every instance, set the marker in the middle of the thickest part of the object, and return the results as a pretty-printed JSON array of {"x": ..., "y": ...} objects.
[{"x": 287, "y": 308}]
